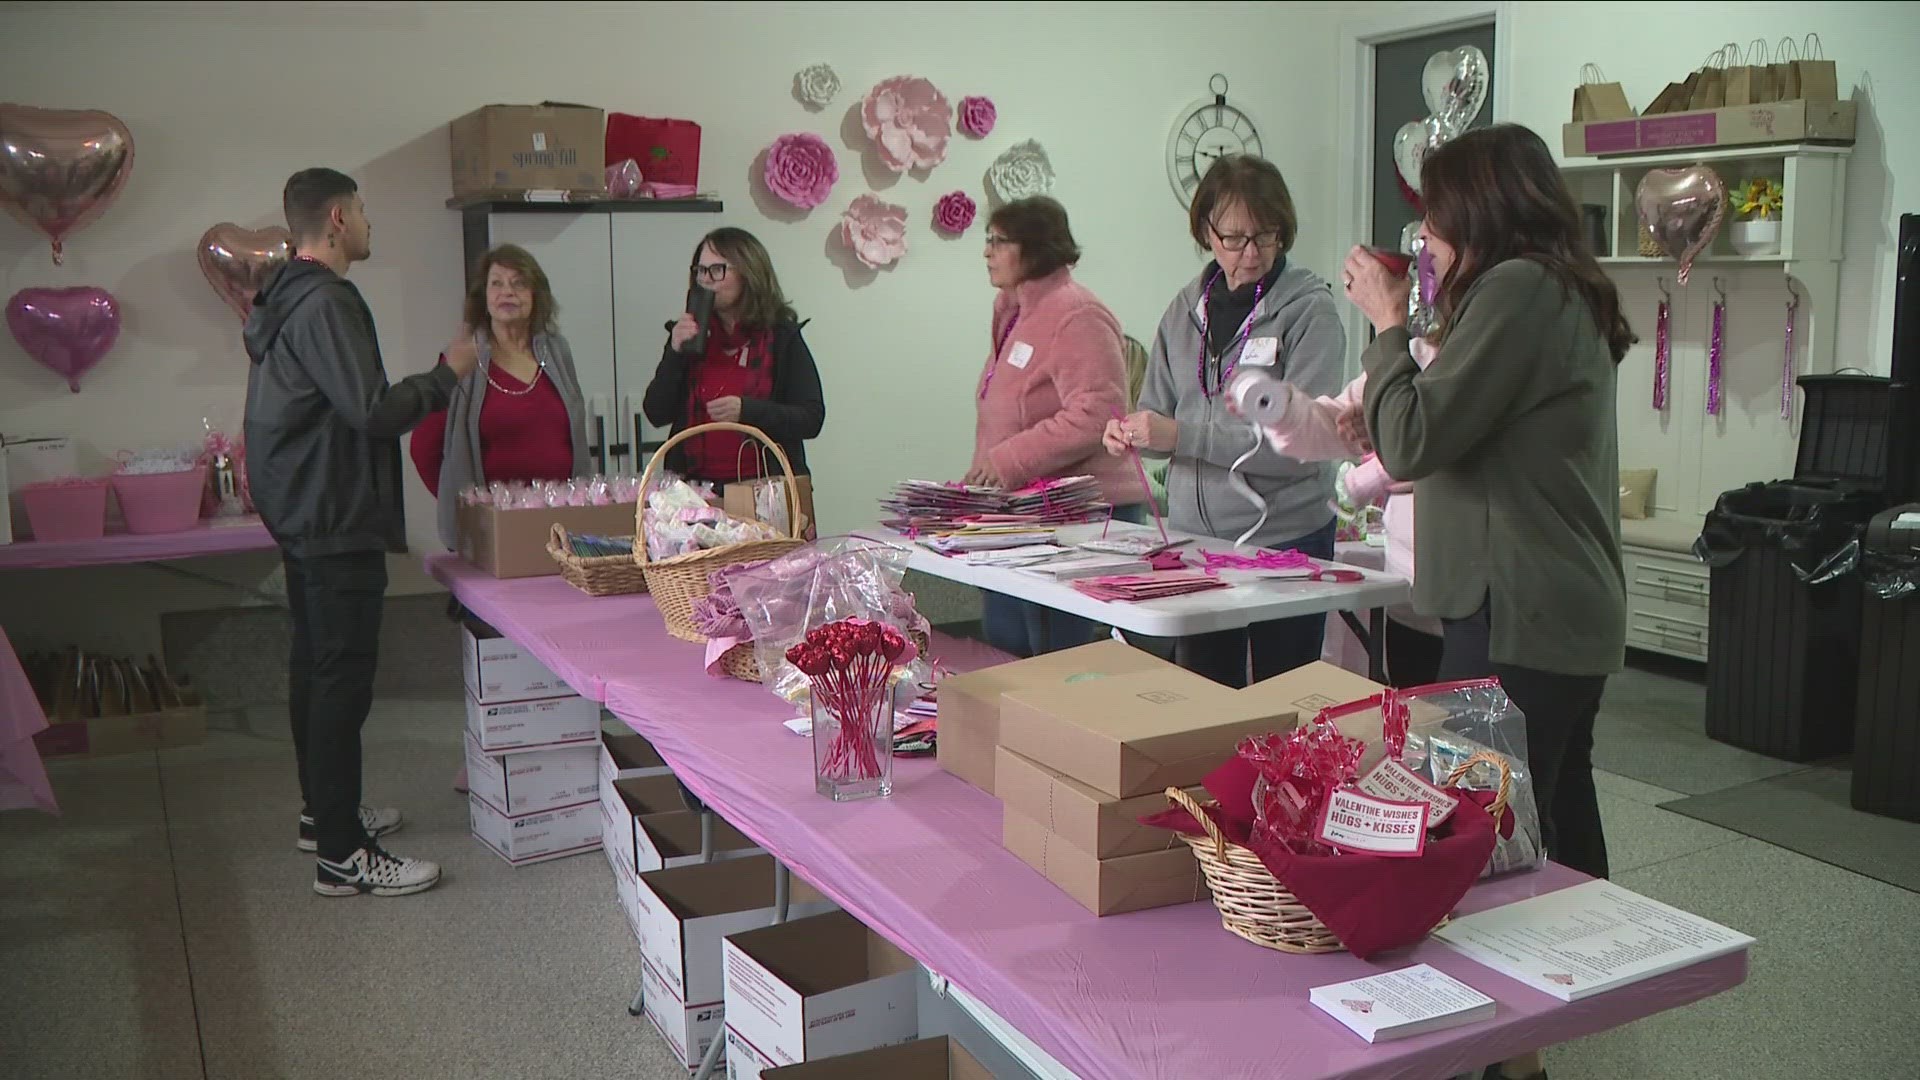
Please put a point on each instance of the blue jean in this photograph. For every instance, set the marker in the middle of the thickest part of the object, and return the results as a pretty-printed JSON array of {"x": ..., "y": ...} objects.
[
  {"x": 1276, "y": 647},
  {"x": 1025, "y": 629}
]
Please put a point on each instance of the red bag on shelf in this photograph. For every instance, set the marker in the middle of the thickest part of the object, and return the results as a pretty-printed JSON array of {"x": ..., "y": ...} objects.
[{"x": 667, "y": 151}]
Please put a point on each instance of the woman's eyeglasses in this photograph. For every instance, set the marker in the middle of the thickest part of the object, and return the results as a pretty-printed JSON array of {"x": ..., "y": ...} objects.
[
  {"x": 710, "y": 272},
  {"x": 994, "y": 240},
  {"x": 1239, "y": 241}
]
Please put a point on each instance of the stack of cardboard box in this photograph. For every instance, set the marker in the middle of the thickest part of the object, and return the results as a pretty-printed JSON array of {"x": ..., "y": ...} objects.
[
  {"x": 1078, "y": 745},
  {"x": 532, "y": 753}
]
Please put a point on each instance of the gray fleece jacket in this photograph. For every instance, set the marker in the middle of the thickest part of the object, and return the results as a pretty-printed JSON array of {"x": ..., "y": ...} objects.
[{"x": 1298, "y": 324}]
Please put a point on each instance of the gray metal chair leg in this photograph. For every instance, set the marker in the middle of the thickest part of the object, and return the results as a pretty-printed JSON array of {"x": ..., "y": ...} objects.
[
  {"x": 712, "y": 1058},
  {"x": 706, "y": 836},
  {"x": 639, "y": 1003}
]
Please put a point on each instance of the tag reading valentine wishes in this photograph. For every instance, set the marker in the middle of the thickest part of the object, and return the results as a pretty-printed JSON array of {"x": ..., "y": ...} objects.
[
  {"x": 1395, "y": 782},
  {"x": 1355, "y": 821}
]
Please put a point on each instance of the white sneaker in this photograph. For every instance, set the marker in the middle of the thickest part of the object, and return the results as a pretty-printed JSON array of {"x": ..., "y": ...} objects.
[
  {"x": 376, "y": 824},
  {"x": 374, "y": 871}
]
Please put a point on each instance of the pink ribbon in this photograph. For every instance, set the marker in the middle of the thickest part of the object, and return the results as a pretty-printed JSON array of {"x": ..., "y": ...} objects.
[
  {"x": 1716, "y": 355},
  {"x": 1259, "y": 560},
  {"x": 1662, "y": 356},
  {"x": 1140, "y": 469},
  {"x": 1786, "y": 367}
]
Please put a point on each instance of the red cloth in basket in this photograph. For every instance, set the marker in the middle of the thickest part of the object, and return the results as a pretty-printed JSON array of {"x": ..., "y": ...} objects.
[{"x": 667, "y": 151}]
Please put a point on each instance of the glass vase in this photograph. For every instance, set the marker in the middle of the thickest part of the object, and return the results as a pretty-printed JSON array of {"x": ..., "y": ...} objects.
[{"x": 853, "y": 745}]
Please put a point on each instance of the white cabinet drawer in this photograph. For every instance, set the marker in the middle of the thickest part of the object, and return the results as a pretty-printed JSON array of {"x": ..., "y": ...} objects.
[
  {"x": 1672, "y": 627},
  {"x": 1666, "y": 577}
]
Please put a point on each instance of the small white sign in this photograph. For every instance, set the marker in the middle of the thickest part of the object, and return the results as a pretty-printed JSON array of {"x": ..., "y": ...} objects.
[
  {"x": 1394, "y": 781},
  {"x": 1260, "y": 352},
  {"x": 1021, "y": 355},
  {"x": 1355, "y": 821}
]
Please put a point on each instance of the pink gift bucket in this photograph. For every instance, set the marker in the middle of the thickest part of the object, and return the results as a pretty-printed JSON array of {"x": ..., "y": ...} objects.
[
  {"x": 160, "y": 502},
  {"x": 66, "y": 509}
]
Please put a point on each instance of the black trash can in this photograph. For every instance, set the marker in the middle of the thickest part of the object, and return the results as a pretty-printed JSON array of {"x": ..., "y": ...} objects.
[
  {"x": 1886, "y": 741},
  {"x": 1784, "y": 599}
]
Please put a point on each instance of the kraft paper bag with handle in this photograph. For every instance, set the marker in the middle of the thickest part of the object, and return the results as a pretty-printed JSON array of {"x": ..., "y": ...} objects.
[
  {"x": 1674, "y": 98},
  {"x": 1818, "y": 81},
  {"x": 1598, "y": 99},
  {"x": 1710, "y": 90},
  {"x": 1785, "y": 73},
  {"x": 764, "y": 498},
  {"x": 1750, "y": 82}
]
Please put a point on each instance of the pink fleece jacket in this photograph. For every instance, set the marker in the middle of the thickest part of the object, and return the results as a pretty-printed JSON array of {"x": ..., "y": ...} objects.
[{"x": 1058, "y": 376}]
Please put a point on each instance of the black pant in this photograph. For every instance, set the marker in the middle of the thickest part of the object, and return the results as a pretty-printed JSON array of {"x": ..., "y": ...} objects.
[
  {"x": 336, "y": 602},
  {"x": 1413, "y": 656},
  {"x": 1277, "y": 647},
  {"x": 1560, "y": 711}
]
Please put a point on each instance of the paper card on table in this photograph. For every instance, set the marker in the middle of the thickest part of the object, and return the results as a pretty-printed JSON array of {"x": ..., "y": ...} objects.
[
  {"x": 1394, "y": 781},
  {"x": 1588, "y": 939},
  {"x": 1354, "y": 821},
  {"x": 1398, "y": 1004}
]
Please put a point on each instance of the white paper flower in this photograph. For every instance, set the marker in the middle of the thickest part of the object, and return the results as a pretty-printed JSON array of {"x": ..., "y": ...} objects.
[
  {"x": 815, "y": 85},
  {"x": 909, "y": 121},
  {"x": 875, "y": 230},
  {"x": 1022, "y": 171}
]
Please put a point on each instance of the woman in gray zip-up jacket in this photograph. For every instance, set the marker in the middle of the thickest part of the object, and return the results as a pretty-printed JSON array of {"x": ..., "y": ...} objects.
[{"x": 1249, "y": 306}]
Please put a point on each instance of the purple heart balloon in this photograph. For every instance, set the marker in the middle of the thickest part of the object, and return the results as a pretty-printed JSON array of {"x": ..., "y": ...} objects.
[{"x": 68, "y": 330}]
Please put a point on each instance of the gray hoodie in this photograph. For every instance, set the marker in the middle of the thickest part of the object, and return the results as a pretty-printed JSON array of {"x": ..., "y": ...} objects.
[{"x": 1309, "y": 345}]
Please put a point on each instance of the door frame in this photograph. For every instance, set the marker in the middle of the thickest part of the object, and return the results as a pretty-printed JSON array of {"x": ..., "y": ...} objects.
[{"x": 1357, "y": 39}]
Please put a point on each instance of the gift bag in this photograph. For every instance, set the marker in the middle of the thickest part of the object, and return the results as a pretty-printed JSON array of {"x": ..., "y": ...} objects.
[
  {"x": 1818, "y": 81},
  {"x": 667, "y": 151},
  {"x": 764, "y": 498},
  {"x": 1784, "y": 70},
  {"x": 1750, "y": 82},
  {"x": 1452, "y": 722},
  {"x": 1598, "y": 99},
  {"x": 1709, "y": 84}
]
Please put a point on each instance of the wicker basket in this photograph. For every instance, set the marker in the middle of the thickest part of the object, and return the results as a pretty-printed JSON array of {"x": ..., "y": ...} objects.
[
  {"x": 595, "y": 575},
  {"x": 1254, "y": 905},
  {"x": 678, "y": 581}
]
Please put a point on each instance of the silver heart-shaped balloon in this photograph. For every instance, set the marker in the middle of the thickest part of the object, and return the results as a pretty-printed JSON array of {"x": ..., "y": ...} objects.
[
  {"x": 1683, "y": 209},
  {"x": 1411, "y": 145},
  {"x": 238, "y": 261},
  {"x": 1454, "y": 83}
]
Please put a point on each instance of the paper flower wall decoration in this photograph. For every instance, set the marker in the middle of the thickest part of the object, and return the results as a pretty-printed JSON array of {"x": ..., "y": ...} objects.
[
  {"x": 977, "y": 115},
  {"x": 1022, "y": 171},
  {"x": 801, "y": 169},
  {"x": 815, "y": 85},
  {"x": 953, "y": 213},
  {"x": 876, "y": 230},
  {"x": 909, "y": 121}
]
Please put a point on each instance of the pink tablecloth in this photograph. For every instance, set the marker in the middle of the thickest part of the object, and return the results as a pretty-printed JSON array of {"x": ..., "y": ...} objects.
[
  {"x": 206, "y": 539},
  {"x": 1162, "y": 993},
  {"x": 23, "y": 779}
]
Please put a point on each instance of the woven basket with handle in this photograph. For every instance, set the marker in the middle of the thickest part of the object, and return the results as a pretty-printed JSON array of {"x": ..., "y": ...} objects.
[
  {"x": 1252, "y": 902},
  {"x": 595, "y": 575}
]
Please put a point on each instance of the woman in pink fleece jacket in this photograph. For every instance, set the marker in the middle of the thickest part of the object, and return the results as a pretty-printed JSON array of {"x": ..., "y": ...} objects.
[
  {"x": 1056, "y": 375},
  {"x": 1327, "y": 429}
]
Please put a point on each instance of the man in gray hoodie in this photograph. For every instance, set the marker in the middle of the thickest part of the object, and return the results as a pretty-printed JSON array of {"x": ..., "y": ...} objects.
[{"x": 323, "y": 431}]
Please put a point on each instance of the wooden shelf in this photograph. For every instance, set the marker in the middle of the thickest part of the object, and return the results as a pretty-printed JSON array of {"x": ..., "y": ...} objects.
[
  {"x": 1733, "y": 260},
  {"x": 589, "y": 206},
  {"x": 1705, "y": 156}
]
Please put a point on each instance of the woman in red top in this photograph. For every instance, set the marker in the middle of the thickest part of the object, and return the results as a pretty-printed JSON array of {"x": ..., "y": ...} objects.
[
  {"x": 520, "y": 415},
  {"x": 754, "y": 368}
]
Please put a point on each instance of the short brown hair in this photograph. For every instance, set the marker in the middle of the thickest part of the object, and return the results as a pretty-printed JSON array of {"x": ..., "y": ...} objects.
[
  {"x": 1253, "y": 183},
  {"x": 517, "y": 259},
  {"x": 1039, "y": 225}
]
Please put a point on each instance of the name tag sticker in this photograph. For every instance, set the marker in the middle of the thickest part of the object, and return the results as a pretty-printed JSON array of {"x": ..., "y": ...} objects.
[
  {"x": 1021, "y": 354},
  {"x": 1260, "y": 352}
]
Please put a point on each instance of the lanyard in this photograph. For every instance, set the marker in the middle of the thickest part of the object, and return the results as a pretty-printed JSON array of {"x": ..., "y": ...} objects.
[
  {"x": 993, "y": 364},
  {"x": 1246, "y": 328}
]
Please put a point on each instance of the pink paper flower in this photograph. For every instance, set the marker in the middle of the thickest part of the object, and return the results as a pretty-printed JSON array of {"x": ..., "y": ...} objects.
[
  {"x": 875, "y": 230},
  {"x": 909, "y": 121},
  {"x": 953, "y": 213},
  {"x": 801, "y": 169},
  {"x": 977, "y": 115}
]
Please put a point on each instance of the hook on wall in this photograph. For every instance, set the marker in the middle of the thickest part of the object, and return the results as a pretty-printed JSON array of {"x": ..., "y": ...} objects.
[
  {"x": 1720, "y": 288},
  {"x": 1665, "y": 293},
  {"x": 1793, "y": 290}
]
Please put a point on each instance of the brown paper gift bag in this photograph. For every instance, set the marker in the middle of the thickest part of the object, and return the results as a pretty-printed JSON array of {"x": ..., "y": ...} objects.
[
  {"x": 1750, "y": 82},
  {"x": 1785, "y": 74},
  {"x": 1598, "y": 99},
  {"x": 1710, "y": 86},
  {"x": 764, "y": 498},
  {"x": 1818, "y": 80}
]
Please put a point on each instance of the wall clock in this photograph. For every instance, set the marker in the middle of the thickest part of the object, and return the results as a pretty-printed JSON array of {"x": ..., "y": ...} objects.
[{"x": 1203, "y": 133}]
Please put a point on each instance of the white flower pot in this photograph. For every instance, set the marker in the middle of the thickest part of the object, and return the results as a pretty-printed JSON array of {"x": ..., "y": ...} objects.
[{"x": 1756, "y": 237}]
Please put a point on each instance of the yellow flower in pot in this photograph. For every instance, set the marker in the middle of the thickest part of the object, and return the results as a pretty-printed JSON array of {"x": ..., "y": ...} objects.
[{"x": 1757, "y": 205}]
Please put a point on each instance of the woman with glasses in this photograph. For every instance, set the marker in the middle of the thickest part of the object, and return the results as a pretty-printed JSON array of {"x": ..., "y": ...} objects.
[
  {"x": 1057, "y": 374},
  {"x": 753, "y": 368},
  {"x": 1250, "y": 305}
]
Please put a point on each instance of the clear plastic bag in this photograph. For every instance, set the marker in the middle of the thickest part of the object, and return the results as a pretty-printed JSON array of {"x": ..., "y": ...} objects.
[
  {"x": 821, "y": 583},
  {"x": 1447, "y": 723}
]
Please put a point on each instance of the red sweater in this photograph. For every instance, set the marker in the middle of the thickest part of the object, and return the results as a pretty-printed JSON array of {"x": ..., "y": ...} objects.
[{"x": 522, "y": 436}]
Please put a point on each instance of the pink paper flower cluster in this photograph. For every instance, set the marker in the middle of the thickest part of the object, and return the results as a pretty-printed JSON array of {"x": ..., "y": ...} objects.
[
  {"x": 801, "y": 169},
  {"x": 875, "y": 230},
  {"x": 953, "y": 213},
  {"x": 977, "y": 115},
  {"x": 909, "y": 121}
]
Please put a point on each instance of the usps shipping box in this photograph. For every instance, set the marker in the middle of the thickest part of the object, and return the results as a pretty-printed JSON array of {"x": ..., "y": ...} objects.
[
  {"x": 531, "y": 780},
  {"x": 814, "y": 988},
  {"x": 497, "y": 668},
  {"x": 624, "y": 754},
  {"x": 625, "y": 800},
  {"x": 664, "y": 841},
  {"x": 531, "y": 838},
  {"x": 523, "y": 725}
]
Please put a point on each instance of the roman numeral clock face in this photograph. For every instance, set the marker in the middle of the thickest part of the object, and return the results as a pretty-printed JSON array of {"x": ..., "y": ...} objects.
[{"x": 1206, "y": 131}]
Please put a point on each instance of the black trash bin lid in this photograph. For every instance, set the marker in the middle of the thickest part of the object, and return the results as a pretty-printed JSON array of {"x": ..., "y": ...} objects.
[{"x": 1844, "y": 433}]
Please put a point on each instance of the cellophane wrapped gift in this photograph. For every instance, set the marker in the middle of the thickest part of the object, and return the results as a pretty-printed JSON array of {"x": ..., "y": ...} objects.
[{"x": 1454, "y": 721}]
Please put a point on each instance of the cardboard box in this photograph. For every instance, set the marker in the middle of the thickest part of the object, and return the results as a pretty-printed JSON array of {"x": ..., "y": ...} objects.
[
  {"x": 1307, "y": 690},
  {"x": 811, "y": 989},
  {"x": 624, "y": 755},
  {"x": 666, "y": 840},
  {"x": 1106, "y": 886},
  {"x": 626, "y": 889},
  {"x": 497, "y": 669},
  {"x": 532, "y": 838},
  {"x": 1139, "y": 733},
  {"x": 629, "y": 798},
  {"x": 970, "y": 704},
  {"x": 103, "y": 735},
  {"x": 533, "y": 780},
  {"x": 683, "y": 914},
  {"x": 1802, "y": 121},
  {"x": 518, "y": 148},
  {"x": 524, "y": 725},
  {"x": 1102, "y": 827},
  {"x": 513, "y": 543},
  {"x": 928, "y": 1059}
]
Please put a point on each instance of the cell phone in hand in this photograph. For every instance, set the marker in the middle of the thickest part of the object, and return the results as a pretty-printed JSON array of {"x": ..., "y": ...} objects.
[{"x": 700, "y": 306}]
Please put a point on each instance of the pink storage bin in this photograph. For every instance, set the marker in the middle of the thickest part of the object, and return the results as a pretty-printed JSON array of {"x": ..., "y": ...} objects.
[
  {"x": 160, "y": 502},
  {"x": 66, "y": 509}
]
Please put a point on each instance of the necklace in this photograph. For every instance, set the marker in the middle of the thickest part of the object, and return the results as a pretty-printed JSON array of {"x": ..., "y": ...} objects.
[
  {"x": 1246, "y": 328},
  {"x": 528, "y": 389}
]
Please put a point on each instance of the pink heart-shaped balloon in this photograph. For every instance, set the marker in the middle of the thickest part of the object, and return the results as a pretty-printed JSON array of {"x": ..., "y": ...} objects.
[
  {"x": 61, "y": 168},
  {"x": 238, "y": 261},
  {"x": 68, "y": 330},
  {"x": 1683, "y": 209}
]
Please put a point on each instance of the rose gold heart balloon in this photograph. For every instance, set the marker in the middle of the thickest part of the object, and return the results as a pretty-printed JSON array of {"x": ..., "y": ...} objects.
[
  {"x": 61, "y": 168},
  {"x": 237, "y": 261},
  {"x": 1683, "y": 209}
]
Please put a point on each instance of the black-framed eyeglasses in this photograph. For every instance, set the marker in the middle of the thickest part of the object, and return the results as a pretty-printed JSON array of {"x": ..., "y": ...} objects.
[
  {"x": 710, "y": 272},
  {"x": 995, "y": 240},
  {"x": 1239, "y": 241}
]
